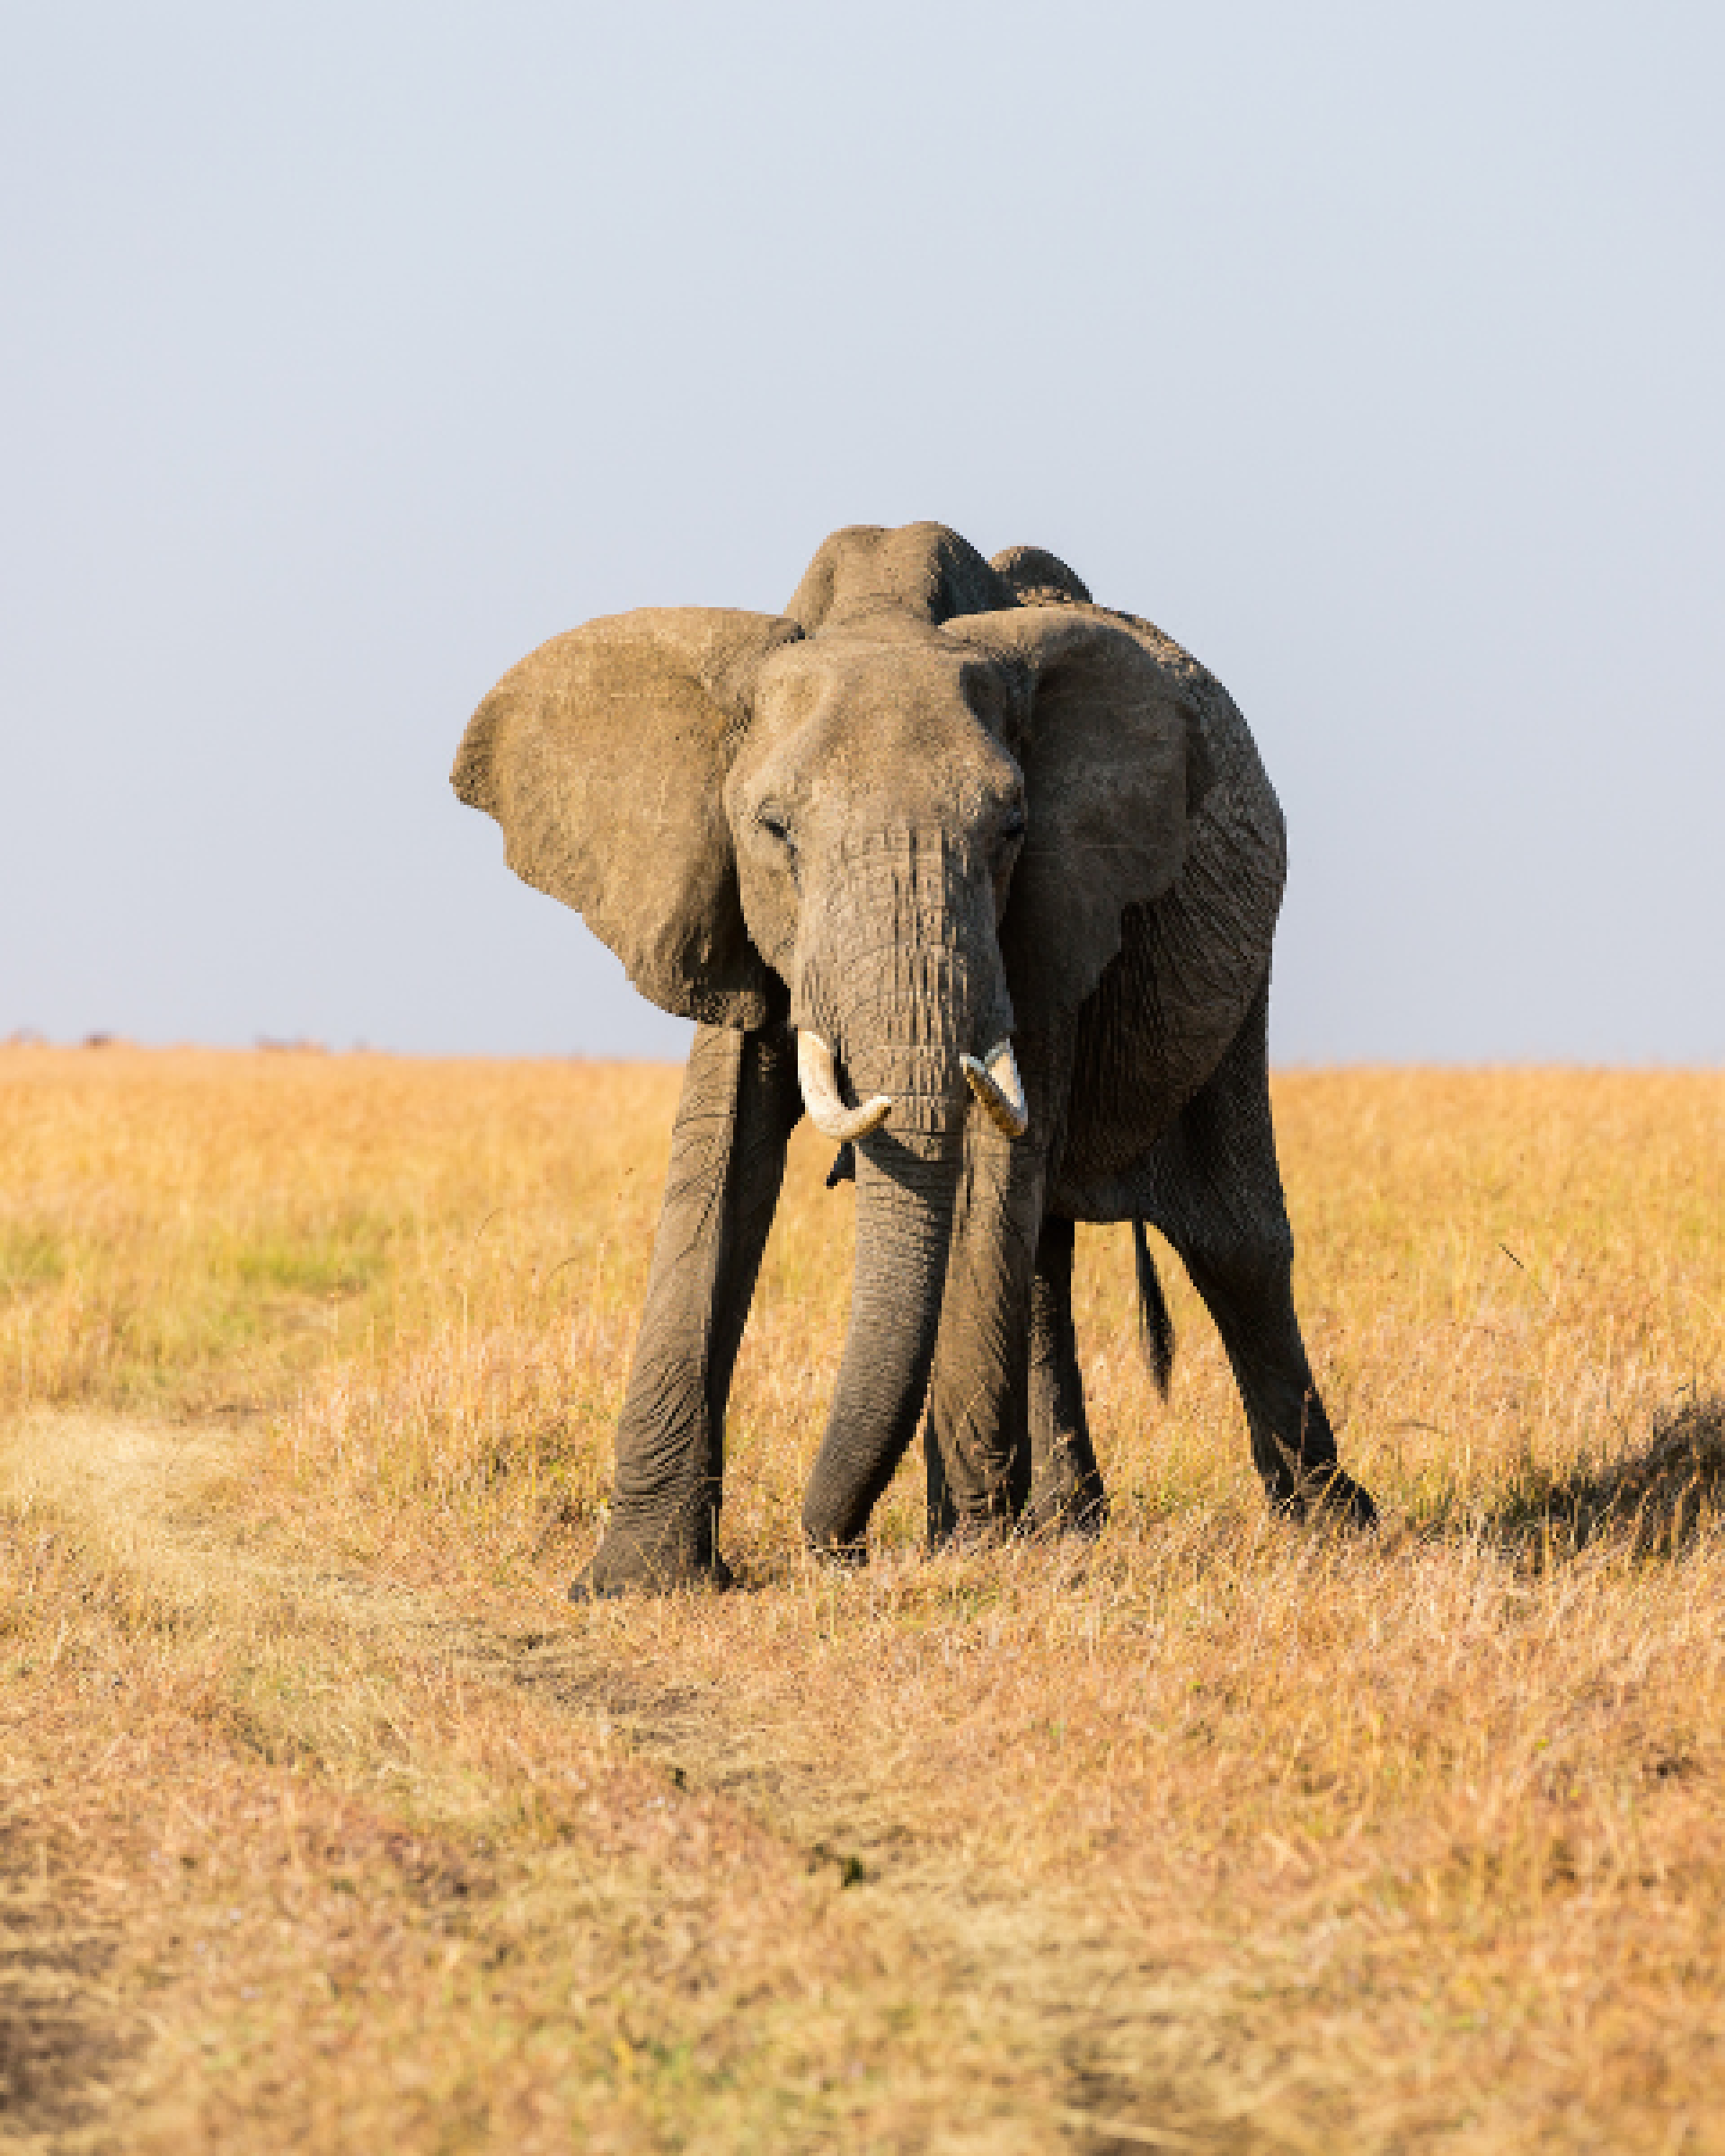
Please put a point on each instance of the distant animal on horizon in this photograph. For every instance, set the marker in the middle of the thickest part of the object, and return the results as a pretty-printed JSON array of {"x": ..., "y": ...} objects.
[{"x": 983, "y": 878}]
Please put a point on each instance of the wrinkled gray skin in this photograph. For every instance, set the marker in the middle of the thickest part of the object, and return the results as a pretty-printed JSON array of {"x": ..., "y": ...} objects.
[{"x": 937, "y": 804}]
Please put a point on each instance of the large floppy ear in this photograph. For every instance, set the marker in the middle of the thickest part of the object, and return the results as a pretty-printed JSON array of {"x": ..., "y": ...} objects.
[
  {"x": 1104, "y": 759},
  {"x": 603, "y": 756}
]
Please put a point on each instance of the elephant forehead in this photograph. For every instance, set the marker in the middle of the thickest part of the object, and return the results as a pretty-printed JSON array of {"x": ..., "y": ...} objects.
[
  {"x": 869, "y": 758},
  {"x": 881, "y": 685}
]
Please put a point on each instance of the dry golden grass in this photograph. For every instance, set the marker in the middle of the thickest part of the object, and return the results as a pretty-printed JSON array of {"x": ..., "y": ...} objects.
[{"x": 327, "y": 1821}]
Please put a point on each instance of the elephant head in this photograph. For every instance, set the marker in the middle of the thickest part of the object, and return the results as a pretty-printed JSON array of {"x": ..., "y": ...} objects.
[{"x": 907, "y": 814}]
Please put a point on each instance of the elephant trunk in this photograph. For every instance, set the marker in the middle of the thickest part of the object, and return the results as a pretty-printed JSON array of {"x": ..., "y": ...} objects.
[
  {"x": 904, "y": 1208},
  {"x": 900, "y": 971}
]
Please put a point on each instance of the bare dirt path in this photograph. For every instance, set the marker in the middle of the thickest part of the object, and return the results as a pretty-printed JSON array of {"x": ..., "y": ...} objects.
[{"x": 1106, "y": 2050}]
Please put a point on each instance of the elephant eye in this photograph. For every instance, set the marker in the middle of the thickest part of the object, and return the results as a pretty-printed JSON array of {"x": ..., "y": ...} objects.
[
  {"x": 772, "y": 822},
  {"x": 1012, "y": 829}
]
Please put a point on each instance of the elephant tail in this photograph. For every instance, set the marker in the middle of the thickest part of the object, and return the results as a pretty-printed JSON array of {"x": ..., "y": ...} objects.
[{"x": 1155, "y": 1326}]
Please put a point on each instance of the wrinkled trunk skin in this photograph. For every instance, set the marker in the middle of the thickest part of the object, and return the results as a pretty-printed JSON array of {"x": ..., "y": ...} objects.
[
  {"x": 900, "y": 972},
  {"x": 904, "y": 1229}
]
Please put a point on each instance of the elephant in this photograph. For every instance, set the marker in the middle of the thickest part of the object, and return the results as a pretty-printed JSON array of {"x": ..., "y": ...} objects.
[{"x": 983, "y": 878}]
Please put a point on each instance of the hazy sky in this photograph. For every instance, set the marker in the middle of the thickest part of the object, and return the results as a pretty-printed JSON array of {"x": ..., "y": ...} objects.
[{"x": 349, "y": 351}]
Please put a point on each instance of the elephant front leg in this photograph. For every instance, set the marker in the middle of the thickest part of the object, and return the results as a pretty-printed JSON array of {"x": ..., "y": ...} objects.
[
  {"x": 978, "y": 1437},
  {"x": 739, "y": 1106},
  {"x": 1067, "y": 1491}
]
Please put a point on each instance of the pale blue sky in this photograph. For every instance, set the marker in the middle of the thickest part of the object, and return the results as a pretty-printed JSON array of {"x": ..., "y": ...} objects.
[{"x": 1378, "y": 352}]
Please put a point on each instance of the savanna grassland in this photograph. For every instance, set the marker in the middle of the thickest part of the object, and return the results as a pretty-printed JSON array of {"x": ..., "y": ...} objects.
[{"x": 326, "y": 1822}]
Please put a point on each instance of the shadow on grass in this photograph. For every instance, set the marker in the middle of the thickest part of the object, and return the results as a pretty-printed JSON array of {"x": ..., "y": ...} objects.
[
  {"x": 1658, "y": 1499},
  {"x": 57, "y": 2048}
]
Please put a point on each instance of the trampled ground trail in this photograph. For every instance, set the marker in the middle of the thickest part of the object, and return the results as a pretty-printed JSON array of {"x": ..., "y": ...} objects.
[
  {"x": 166, "y": 1503},
  {"x": 163, "y": 1500}
]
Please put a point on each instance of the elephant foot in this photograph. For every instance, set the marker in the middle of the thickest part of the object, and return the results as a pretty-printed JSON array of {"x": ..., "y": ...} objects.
[
  {"x": 1327, "y": 1496},
  {"x": 628, "y": 1561},
  {"x": 1069, "y": 1499},
  {"x": 1080, "y": 1514},
  {"x": 837, "y": 1557},
  {"x": 981, "y": 1531},
  {"x": 595, "y": 1585},
  {"x": 969, "y": 1533}
]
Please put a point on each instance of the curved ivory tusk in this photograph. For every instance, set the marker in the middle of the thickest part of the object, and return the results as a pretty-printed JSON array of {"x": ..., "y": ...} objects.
[
  {"x": 820, "y": 1095},
  {"x": 996, "y": 1084}
]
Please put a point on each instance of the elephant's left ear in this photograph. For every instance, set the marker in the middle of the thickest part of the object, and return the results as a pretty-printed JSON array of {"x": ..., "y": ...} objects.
[{"x": 1104, "y": 762}]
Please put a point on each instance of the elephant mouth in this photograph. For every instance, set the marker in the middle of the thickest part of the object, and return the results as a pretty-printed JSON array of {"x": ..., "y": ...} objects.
[{"x": 994, "y": 1080}]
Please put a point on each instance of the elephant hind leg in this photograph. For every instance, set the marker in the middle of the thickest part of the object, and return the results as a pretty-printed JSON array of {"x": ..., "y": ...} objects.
[
  {"x": 1215, "y": 1190},
  {"x": 1067, "y": 1492}
]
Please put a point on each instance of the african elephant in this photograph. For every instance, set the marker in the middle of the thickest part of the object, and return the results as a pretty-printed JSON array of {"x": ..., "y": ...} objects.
[{"x": 983, "y": 878}]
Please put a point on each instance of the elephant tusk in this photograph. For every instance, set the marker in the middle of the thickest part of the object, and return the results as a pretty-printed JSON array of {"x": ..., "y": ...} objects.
[
  {"x": 821, "y": 1097},
  {"x": 996, "y": 1084}
]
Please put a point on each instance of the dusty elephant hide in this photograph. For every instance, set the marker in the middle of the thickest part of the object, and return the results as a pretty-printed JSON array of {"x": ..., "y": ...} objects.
[{"x": 984, "y": 877}]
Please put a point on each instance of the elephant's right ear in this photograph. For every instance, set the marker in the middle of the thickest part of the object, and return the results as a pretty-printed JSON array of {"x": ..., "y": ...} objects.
[
  {"x": 603, "y": 756},
  {"x": 1104, "y": 760}
]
